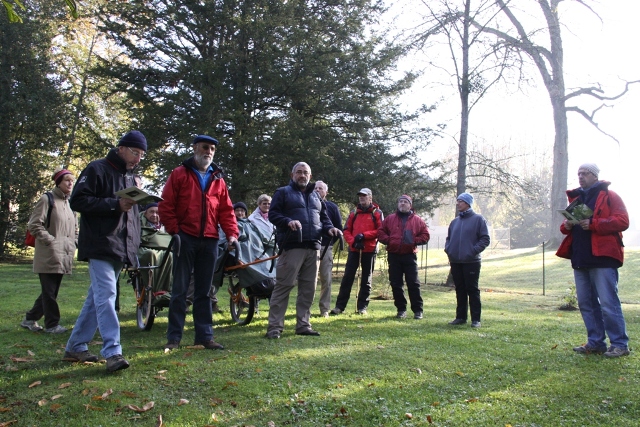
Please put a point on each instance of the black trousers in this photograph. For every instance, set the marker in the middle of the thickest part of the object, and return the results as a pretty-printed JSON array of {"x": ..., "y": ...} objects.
[
  {"x": 366, "y": 265},
  {"x": 46, "y": 304},
  {"x": 405, "y": 266},
  {"x": 465, "y": 277}
]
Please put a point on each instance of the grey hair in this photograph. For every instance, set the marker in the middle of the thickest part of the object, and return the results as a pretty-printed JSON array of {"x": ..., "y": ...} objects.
[
  {"x": 323, "y": 184},
  {"x": 300, "y": 164},
  {"x": 264, "y": 197}
]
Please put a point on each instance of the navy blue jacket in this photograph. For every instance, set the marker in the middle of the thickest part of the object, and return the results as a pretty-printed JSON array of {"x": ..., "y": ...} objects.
[
  {"x": 468, "y": 236},
  {"x": 106, "y": 232},
  {"x": 290, "y": 203},
  {"x": 336, "y": 220}
]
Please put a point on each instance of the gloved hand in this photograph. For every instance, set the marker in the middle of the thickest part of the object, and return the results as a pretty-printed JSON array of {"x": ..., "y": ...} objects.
[{"x": 358, "y": 242}]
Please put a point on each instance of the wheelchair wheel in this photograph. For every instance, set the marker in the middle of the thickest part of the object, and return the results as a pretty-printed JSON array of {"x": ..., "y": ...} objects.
[
  {"x": 145, "y": 311},
  {"x": 242, "y": 307}
]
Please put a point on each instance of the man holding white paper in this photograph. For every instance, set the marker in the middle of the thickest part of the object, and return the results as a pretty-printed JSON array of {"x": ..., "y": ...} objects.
[{"x": 594, "y": 246}]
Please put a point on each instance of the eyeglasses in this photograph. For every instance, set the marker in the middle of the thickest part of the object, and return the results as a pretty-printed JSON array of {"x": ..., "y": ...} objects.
[{"x": 140, "y": 154}]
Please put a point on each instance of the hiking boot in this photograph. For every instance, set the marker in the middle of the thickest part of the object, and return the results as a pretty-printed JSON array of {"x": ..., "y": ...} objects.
[
  {"x": 79, "y": 356},
  {"x": 324, "y": 314},
  {"x": 458, "y": 322},
  {"x": 31, "y": 325},
  {"x": 616, "y": 352},
  {"x": 215, "y": 308},
  {"x": 335, "y": 311},
  {"x": 56, "y": 330},
  {"x": 210, "y": 345},
  {"x": 172, "y": 345},
  {"x": 417, "y": 315},
  {"x": 587, "y": 349},
  {"x": 476, "y": 324},
  {"x": 401, "y": 315},
  {"x": 272, "y": 335},
  {"x": 362, "y": 311},
  {"x": 116, "y": 363},
  {"x": 309, "y": 332}
]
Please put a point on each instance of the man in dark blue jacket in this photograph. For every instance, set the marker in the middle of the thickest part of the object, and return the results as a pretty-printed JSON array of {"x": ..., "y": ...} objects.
[
  {"x": 301, "y": 220},
  {"x": 468, "y": 236},
  {"x": 109, "y": 239}
]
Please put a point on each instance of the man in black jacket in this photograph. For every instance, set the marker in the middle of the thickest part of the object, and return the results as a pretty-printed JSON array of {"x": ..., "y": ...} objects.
[
  {"x": 301, "y": 220},
  {"x": 109, "y": 239}
]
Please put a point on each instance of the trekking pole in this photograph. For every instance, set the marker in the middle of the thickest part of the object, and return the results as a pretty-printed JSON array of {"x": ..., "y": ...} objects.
[
  {"x": 358, "y": 279},
  {"x": 426, "y": 261}
]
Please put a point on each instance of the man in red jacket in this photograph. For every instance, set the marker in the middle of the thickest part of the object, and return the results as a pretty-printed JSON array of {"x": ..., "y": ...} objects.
[
  {"x": 593, "y": 243},
  {"x": 402, "y": 232},
  {"x": 361, "y": 234},
  {"x": 195, "y": 201}
]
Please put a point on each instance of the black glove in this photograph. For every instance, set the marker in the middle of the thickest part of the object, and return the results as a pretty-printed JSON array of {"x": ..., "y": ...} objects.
[{"x": 358, "y": 242}]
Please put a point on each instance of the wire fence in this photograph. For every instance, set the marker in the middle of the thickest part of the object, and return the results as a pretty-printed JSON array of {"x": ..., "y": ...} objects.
[{"x": 531, "y": 271}]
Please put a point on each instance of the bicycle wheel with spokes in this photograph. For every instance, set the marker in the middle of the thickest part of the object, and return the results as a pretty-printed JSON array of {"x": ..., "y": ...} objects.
[
  {"x": 144, "y": 296},
  {"x": 242, "y": 307}
]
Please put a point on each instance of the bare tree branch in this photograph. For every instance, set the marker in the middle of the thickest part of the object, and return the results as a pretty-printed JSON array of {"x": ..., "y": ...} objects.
[
  {"x": 596, "y": 91},
  {"x": 590, "y": 119}
]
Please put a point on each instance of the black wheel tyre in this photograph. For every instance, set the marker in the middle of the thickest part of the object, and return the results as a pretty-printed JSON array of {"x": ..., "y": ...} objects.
[
  {"x": 242, "y": 307},
  {"x": 145, "y": 311}
]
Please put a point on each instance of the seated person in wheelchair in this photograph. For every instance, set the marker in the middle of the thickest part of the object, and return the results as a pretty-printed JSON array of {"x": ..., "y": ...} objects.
[{"x": 154, "y": 242}]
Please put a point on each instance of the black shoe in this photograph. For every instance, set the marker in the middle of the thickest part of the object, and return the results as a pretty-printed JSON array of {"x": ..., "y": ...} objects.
[
  {"x": 272, "y": 335},
  {"x": 210, "y": 345},
  {"x": 116, "y": 363},
  {"x": 79, "y": 356},
  {"x": 458, "y": 322},
  {"x": 401, "y": 315},
  {"x": 172, "y": 345},
  {"x": 417, "y": 315},
  {"x": 309, "y": 332}
]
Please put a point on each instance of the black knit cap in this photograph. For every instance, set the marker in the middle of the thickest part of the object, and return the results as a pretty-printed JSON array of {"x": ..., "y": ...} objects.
[
  {"x": 241, "y": 205},
  {"x": 134, "y": 139}
]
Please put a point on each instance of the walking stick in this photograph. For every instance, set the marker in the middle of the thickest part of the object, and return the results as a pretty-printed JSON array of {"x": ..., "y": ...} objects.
[{"x": 358, "y": 279}]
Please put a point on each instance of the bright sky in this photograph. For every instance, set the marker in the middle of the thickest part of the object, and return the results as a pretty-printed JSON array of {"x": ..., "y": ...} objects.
[{"x": 605, "y": 52}]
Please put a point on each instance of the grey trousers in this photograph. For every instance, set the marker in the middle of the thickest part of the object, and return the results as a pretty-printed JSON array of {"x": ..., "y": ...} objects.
[{"x": 324, "y": 275}]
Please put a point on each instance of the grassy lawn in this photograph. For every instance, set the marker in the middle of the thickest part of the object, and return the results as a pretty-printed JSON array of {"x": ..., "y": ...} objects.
[{"x": 517, "y": 370}]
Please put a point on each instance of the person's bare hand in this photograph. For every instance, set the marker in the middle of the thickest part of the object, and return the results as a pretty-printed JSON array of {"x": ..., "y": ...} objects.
[
  {"x": 294, "y": 225},
  {"x": 585, "y": 223},
  {"x": 232, "y": 242},
  {"x": 335, "y": 232},
  {"x": 126, "y": 204},
  {"x": 568, "y": 225}
]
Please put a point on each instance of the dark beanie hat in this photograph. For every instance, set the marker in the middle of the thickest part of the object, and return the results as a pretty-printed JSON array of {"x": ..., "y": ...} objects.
[
  {"x": 241, "y": 205},
  {"x": 134, "y": 139},
  {"x": 204, "y": 138},
  {"x": 151, "y": 205}
]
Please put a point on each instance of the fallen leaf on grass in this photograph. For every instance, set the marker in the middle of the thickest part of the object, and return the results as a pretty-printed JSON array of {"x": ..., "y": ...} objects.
[
  {"x": 57, "y": 396},
  {"x": 30, "y": 353},
  {"x": 145, "y": 408},
  {"x": 129, "y": 394},
  {"x": 435, "y": 404},
  {"x": 215, "y": 401},
  {"x": 253, "y": 357},
  {"x": 64, "y": 385},
  {"x": 179, "y": 363},
  {"x": 379, "y": 347},
  {"x": 183, "y": 402},
  {"x": 409, "y": 415},
  {"x": 429, "y": 419},
  {"x": 21, "y": 359},
  {"x": 55, "y": 407},
  {"x": 164, "y": 371},
  {"x": 5, "y": 410},
  {"x": 10, "y": 368},
  {"x": 418, "y": 370},
  {"x": 35, "y": 384},
  {"x": 159, "y": 423},
  {"x": 460, "y": 374},
  {"x": 371, "y": 385},
  {"x": 8, "y": 423},
  {"x": 92, "y": 408},
  {"x": 42, "y": 402},
  {"x": 554, "y": 347},
  {"x": 230, "y": 384},
  {"x": 472, "y": 400},
  {"x": 160, "y": 377},
  {"x": 232, "y": 403}
]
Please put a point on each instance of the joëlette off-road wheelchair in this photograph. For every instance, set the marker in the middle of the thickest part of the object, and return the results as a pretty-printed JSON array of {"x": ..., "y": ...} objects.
[
  {"x": 249, "y": 270},
  {"x": 153, "y": 279}
]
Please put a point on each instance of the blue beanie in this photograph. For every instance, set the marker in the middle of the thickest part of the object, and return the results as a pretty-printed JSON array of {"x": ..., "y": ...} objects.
[
  {"x": 466, "y": 197},
  {"x": 204, "y": 138},
  {"x": 133, "y": 139}
]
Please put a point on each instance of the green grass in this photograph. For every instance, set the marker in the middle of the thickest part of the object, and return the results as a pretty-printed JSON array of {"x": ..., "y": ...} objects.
[{"x": 518, "y": 369}]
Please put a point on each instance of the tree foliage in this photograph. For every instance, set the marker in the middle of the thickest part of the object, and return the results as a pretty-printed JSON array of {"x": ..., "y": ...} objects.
[
  {"x": 277, "y": 82},
  {"x": 32, "y": 114}
]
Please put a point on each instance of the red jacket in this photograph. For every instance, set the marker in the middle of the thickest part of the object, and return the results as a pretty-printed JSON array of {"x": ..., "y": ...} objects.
[
  {"x": 610, "y": 219},
  {"x": 405, "y": 240},
  {"x": 366, "y": 222},
  {"x": 188, "y": 209}
]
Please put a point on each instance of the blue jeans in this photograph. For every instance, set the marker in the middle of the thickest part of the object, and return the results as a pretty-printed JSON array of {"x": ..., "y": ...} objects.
[
  {"x": 98, "y": 311},
  {"x": 597, "y": 292},
  {"x": 197, "y": 254}
]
